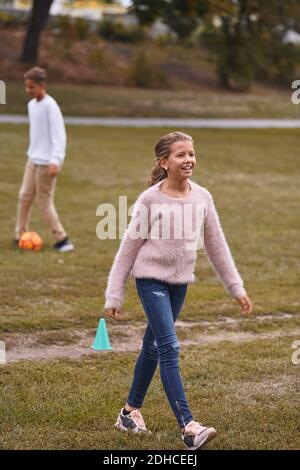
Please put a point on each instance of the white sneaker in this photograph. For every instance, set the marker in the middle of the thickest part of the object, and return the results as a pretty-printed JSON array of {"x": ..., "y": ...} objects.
[
  {"x": 195, "y": 435},
  {"x": 132, "y": 422}
]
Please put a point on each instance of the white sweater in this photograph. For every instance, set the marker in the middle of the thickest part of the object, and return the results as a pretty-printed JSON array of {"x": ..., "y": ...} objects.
[{"x": 47, "y": 134}]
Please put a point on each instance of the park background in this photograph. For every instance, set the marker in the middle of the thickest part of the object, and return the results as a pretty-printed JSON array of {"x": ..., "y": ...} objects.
[{"x": 153, "y": 59}]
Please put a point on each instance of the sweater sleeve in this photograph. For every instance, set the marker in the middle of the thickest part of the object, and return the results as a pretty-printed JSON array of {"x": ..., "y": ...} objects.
[
  {"x": 57, "y": 135},
  {"x": 218, "y": 252},
  {"x": 133, "y": 238}
]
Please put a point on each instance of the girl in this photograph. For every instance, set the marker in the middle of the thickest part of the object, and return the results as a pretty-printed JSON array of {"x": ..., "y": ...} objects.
[{"x": 163, "y": 266}]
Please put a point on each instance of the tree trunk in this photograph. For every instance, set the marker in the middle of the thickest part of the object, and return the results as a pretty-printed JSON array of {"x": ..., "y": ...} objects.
[{"x": 38, "y": 18}]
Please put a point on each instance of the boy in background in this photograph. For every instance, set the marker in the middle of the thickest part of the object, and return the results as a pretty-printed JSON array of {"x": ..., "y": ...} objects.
[{"x": 46, "y": 153}]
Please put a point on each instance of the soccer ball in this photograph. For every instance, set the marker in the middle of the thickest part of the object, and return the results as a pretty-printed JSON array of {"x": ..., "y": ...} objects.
[{"x": 30, "y": 241}]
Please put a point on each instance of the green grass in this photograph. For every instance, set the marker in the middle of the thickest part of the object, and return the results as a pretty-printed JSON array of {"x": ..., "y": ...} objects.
[
  {"x": 253, "y": 176},
  {"x": 93, "y": 100},
  {"x": 249, "y": 392},
  {"x": 247, "y": 389}
]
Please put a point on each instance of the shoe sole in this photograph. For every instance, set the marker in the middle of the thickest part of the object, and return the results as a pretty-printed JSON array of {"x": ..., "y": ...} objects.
[
  {"x": 66, "y": 249},
  {"x": 120, "y": 426},
  {"x": 210, "y": 434}
]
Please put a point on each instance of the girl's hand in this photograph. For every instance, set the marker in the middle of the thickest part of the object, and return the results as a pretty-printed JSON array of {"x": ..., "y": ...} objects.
[
  {"x": 246, "y": 304},
  {"x": 113, "y": 312}
]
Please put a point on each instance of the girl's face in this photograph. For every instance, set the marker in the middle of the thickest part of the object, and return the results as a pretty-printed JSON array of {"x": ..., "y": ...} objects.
[{"x": 181, "y": 160}]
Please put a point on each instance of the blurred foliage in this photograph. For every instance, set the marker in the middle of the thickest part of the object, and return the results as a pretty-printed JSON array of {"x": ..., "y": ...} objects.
[
  {"x": 97, "y": 58},
  {"x": 246, "y": 38},
  {"x": 144, "y": 73},
  {"x": 182, "y": 17},
  {"x": 6, "y": 18},
  {"x": 117, "y": 31},
  {"x": 82, "y": 28},
  {"x": 74, "y": 28}
]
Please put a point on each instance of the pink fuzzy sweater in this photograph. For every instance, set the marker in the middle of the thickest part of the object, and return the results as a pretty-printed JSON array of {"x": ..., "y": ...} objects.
[{"x": 171, "y": 255}]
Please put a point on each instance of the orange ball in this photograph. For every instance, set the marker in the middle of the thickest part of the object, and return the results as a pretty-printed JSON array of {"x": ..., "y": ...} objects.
[{"x": 30, "y": 241}]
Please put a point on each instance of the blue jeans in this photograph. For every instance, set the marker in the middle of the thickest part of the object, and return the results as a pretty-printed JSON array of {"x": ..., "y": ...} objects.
[{"x": 162, "y": 303}]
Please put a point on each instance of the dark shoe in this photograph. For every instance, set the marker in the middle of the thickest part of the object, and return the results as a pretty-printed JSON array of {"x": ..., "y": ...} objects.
[{"x": 64, "y": 245}]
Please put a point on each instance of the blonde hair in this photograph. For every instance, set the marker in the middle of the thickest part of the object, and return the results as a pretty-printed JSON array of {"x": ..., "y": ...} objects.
[{"x": 162, "y": 150}]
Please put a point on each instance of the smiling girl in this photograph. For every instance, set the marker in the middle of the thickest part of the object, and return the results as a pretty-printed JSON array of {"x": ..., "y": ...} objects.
[{"x": 163, "y": 267}]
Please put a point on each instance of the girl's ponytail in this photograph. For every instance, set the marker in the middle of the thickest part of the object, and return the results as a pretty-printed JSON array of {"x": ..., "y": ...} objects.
[{"x": 158, "y": 173}]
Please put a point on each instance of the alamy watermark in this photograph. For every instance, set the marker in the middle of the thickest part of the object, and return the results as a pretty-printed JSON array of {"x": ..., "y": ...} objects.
[
  {"x": 296, "y": 94},
  {"x": 2, "y": 92},
  {"x": 2, "y": 353},
  {"x": 159, "y": 221},
  {"x": 296, "y": 354}
]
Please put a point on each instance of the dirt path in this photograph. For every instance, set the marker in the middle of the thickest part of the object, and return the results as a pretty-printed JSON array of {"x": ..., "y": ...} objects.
[{"x": 73, "y": 344}]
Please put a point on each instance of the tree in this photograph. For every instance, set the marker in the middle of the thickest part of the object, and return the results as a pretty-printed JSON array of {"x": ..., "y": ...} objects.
[
  {"x": 246, "y": 38},
  {"x": 181, "y": 16},
  {"x": 248, "y": 41},
  {"x": 148, "y": 11},
  {"x": 37, "y": 21}
]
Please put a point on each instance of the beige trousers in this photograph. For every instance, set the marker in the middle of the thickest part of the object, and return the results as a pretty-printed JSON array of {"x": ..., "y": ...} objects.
[{"x": 38, "y": 184}]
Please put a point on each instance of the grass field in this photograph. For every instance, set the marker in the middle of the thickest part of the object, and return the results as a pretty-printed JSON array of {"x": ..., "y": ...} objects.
[
  {"x": 238, "y": 372},
  {"x": 83, "y": 100}
]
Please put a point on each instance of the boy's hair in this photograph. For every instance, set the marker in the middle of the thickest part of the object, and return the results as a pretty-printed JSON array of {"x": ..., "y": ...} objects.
[{"x": 36, "y": 74}]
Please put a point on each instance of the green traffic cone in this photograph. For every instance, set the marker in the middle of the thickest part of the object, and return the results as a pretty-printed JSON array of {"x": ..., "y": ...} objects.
[{"x": 101, "y": 342}]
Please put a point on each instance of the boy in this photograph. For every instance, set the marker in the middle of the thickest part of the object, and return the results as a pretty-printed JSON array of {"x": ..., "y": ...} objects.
[{"x": 46, "y": 154}]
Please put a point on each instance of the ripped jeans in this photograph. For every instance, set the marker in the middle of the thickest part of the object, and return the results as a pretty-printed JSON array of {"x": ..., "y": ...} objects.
[{"x": 162, "y": 303}]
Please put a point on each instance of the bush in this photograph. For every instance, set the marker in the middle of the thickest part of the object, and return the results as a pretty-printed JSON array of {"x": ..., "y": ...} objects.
[
  {"x": 82, "y": 28},
  {"x": 73, "y": 28},
  {"x": 61, "y": 24},
  {"x": 96, "y": 58},
  {"x": 165, "y": 39},
  {"x": 6, "y": 19},
  {"x": 243, "y": 55},
  {"x": 116, "y": 31},
  {"x": 279, "y": 62},
  {"x": 234, "y": 57},
  {"x": 145, "y": 74}
]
